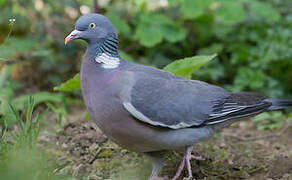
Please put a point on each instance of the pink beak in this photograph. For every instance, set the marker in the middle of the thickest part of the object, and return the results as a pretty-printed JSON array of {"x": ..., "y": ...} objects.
[{"x": 73, "y": 35}]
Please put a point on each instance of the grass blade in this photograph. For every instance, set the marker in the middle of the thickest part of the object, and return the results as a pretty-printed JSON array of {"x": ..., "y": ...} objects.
[{"x": 30, "y": 107}]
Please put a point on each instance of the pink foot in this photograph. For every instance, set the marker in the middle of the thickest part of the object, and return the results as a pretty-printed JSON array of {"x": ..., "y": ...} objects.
[{"x": 186, "y": 160}]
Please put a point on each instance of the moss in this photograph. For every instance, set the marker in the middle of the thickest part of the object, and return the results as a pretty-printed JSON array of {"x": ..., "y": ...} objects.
[{"x": 105, "y": 153}]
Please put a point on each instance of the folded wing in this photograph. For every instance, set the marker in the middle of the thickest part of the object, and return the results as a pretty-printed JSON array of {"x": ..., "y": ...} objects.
[{"x": 181, "y": 103}]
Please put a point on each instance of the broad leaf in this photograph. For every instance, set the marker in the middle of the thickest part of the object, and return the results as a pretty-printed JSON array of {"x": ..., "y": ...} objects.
[
  {"x": 70, "y": 85},
  {"x": 153, "y": 28},
  {"x": 230, "y": 12},
  {"x": 185, "y": 67},
  {"x": 173, "y": 32},
  {"x": 120, "y": 24},
  {"x": 194, "y": 8},
  {"x": 149, "y": 35},
  {"x": 148, "y": 30},
  {"x": 263, "y": 9}
]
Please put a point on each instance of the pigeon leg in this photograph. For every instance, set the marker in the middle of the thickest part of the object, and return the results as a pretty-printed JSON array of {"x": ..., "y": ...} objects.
[
  {"x": 156, "y": 167},
  {"x": 180, "y": 168},
  {"x": 158, "y": 178},
  {"x": 186, "y": 160},
  {"x": 157, "y": 159}
]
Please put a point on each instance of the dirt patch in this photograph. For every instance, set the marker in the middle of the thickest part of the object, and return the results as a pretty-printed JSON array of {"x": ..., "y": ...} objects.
[
  {"x": 83, "y": 150},
  {"x": 280, "y": 166},
  {"x": 239, "y": 152}
]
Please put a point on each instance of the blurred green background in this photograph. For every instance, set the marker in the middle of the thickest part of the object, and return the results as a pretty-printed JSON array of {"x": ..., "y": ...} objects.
[{"x": 252, "y": 40}]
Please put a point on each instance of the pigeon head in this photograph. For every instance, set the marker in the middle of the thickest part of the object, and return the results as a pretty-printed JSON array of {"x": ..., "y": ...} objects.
[{"x": 93, "y": 28}]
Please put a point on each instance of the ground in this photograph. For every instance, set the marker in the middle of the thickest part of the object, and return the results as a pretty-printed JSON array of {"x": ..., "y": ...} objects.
[{"x": 238, "y": 152}]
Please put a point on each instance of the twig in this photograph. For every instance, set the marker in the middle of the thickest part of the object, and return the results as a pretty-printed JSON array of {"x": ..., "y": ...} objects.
[
  {"x": 3, "y": 130},
  {"x": 96, "y": 6},
  {"x": 9, "y": 33},
  {"x": 95, "y": 157}
]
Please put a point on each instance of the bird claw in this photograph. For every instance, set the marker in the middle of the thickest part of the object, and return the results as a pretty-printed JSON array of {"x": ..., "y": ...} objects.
[
  {"x": 199, "y": 158},
  {"x": 186, "y": 160}
]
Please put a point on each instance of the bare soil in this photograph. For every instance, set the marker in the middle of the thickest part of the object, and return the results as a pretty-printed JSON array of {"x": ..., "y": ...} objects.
[{"x": 238, "y": 152}]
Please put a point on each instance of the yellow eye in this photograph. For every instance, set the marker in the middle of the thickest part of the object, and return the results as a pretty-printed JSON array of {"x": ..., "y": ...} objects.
[{"x": 92, "y": 25}]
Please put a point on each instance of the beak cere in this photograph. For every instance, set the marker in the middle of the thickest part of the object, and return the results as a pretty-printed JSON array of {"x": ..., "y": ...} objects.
[{"x": 73, "y": 35}]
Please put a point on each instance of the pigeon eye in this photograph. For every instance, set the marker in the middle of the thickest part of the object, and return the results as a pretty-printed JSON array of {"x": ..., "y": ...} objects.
[{"x": 92, "y": 25}]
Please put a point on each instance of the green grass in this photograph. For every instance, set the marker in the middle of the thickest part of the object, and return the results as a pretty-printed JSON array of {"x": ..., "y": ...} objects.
[{"x": 20, "y": 157}]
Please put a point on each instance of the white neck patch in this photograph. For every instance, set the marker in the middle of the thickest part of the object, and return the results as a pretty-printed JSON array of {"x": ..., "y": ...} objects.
[{"x": 108, "y": 62}]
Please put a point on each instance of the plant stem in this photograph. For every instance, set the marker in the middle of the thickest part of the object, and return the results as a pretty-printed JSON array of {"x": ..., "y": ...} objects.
[{"x": 96, "y": 6}]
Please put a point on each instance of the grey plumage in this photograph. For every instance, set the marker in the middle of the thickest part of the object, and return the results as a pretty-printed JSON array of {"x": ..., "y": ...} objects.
[
  {"x": 148, "y": 110},
  {"x": 173, "y": 103},
  {"x": 278, "y": 103},
  {"x": 109, "y": 46}
]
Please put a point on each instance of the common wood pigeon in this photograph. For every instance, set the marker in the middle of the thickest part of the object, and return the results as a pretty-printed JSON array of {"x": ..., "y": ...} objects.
[{"x": 151, "y": 111}]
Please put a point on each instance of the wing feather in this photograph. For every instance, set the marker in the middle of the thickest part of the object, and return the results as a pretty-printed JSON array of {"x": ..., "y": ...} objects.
[
  {"x": 237, "y": 105},
  {"x": 177, "y": 103},
  {"x": 171, "y": 103}
]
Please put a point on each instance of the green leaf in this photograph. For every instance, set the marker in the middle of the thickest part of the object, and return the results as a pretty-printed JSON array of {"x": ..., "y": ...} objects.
[
  {"x": 153, "y": 28},
  {"x": 269, "y": 120},
  {"x": 261, "y": 117},
  {"x": 1, "y": 2},
  {"x": 120, "y": 25},
  {"x": 173, "y": 2},
  {"x": 230, "y": 12},
  {"x": 9, "y": 108},
  {"x": 148, "y": 30},
  {"x": 125, "y": 56},
  {"x": 40, "y": 97},
  {"x": 29, "y": 111},
  {"x": 173, "y": 33},
  {"x": 148, "y": 35},
  {"x": 70, "y": 85},
  {"x": 185, "y": 67},
  {"x": 264, "y": 10},
  {"x": 8, "y": 113},
  {"x": 15, "y": 46},
  {"x": 250, "y": 78},
  {"x": 194, "y": 8}
]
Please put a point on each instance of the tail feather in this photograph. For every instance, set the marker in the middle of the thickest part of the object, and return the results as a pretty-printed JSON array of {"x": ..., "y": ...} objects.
[{"x": 279, "y": 103}]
